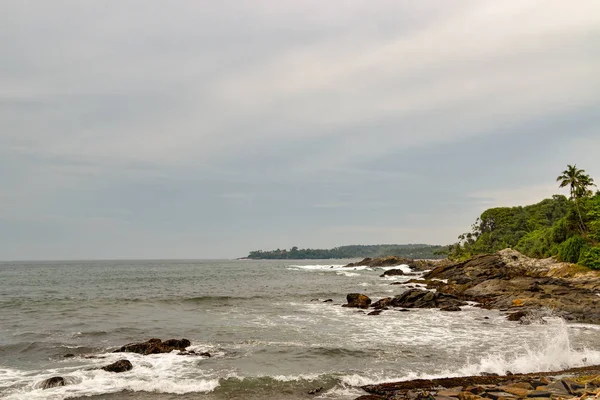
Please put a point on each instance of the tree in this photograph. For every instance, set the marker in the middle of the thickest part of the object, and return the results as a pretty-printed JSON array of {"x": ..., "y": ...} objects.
[{"x": 579, "y": 183}]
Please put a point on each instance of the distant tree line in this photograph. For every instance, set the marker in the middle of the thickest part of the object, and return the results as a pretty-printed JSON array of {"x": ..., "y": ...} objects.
[
  {"x": 566, "y": 228},
  {"x": 415, "y": 251}
]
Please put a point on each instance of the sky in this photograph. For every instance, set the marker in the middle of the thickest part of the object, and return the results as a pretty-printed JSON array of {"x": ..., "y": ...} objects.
[{"x": 203, "y": 129}]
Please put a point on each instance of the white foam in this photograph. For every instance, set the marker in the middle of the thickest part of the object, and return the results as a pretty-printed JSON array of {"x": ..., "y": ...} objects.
[
  {"x": 403, "y": 267},
  {"x": 552, "y": 351},
  {"x": 345, "y": 273},
  {"x": 160, "y": 373},
  {"x": 328, "y": 267}
]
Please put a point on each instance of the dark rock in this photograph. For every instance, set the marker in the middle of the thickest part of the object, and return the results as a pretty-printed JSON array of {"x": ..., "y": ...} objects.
[
  {"x": 418, "y": 298},
  {"x": 155, "y": 346},
  {"x": 327, "y": 301},
  {"x": 382, "y": 303},
  {"x": 315, "y": 391},
  {"x": 376, "y": 312},
  {"x": 516, "y": 316},
  {"x": 55, "y": 381},
  {"x": 69, "y": 355},
  {"x": 403, "y": 310},
  {"x": 573, "y": 387},
  {"x": 392, "y": 272},
  {"x": 206, "y": 354},
  {"x": 357, "y": 300},
  {"x": 451, "y": 308},
  {"x": 118, "y": 366}
]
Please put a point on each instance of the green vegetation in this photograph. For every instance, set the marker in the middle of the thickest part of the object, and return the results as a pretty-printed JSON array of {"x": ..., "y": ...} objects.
[
  {"x": 416, "y": 251},
  {"x": 568, "y": 229}
]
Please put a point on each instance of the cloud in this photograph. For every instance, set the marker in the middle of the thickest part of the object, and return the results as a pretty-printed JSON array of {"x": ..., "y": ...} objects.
[{"x": 286, "y": 116}]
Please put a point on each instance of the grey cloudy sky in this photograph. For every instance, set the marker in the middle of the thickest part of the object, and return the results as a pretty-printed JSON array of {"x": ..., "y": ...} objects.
[{"x": 203, "y": 129}]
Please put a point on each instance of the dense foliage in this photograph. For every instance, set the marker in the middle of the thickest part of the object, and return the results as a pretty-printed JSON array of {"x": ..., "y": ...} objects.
[
  {"x": 566, "y": 228},
  {"x": 416, "y": 251}
]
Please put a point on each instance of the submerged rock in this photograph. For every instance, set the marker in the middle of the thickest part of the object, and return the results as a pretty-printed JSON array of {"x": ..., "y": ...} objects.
[
  {"x": 357, "y": 300},
  {"x": 50, "y": 383},
  {"x": 118, "y": 366},
  {"x": 154, "y": 346}
]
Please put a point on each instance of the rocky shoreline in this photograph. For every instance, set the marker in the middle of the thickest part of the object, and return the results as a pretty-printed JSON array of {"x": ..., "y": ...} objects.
[
  {"x": 524, "y": 288},
  {"x": 577, "y": 383},
  {"x": 506, "y": 281}
]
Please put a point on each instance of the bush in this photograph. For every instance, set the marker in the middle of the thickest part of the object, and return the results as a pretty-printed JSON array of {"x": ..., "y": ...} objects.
[
  {"x": 590, "y": 257},
  {"x": 571, "y": 249}
]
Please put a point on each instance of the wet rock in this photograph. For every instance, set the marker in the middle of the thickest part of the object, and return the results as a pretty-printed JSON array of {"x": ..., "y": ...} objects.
[
  {"x": 328, "y": 301},
  {"x": 516, "y": 316},
  {"x": 315, "y": 391},
  {"x": 50, "y": 383},
  {"x": 376, "y": 312},
  {"x": 118, "y": 366},
  {"x": 392, "y": 272},
  {"x": 382, "y": 303},
  {"x": 418, "y": 298},
  {"x": 69, "y": 355},
  {"x": 205, "y": 354},
  {"x": 155, "y": 346},
  {"x": 357, "y": 300}
]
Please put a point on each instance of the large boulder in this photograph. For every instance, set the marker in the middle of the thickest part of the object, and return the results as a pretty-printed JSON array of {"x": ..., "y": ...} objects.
[
  {"x": 357, "y": 300},
  {"x": 155, "y": 346},
  {"x": 392, "y": 272},
  {"x": 50, "y": 383},
  {"x": 118, "y": 366}
]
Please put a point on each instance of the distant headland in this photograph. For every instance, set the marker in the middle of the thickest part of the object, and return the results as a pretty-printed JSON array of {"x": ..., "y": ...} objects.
[{"x": 415, "y": 251}]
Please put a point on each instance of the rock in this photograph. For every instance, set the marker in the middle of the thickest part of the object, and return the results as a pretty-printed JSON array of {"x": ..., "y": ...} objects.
[
  {"x": 418, "y": 298},
  {"x": 451, "y": 308},
  {"x": 540, "y": 393},
  {"x": 118, "y": 366},
  {"x": 508, "y": 279},
  {"x": 315, "y": 391},
  {"x": 452, "y": 392},
  {"x": 499, "y": 395},
  {"x": 328, "y": 301},
  {"x": 376, "y": 312},
  {"x": 50, "y": 383},
  {"x": 69, "y": 355},
  {"x": 392, "y": 272},
  {"x": 382, "y": 303},
  {"x": 357, "y": 300},
  {"x": 573, "y": 387},
  {"x": 155, "y": 346},
  {"x": 205, "y": 354}
]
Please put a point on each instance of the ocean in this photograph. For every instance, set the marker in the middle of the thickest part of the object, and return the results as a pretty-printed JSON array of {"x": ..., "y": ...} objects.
[{"x": 269, "y": 333}]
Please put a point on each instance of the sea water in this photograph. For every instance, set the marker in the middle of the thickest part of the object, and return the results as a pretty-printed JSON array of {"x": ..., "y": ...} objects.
[{"x": 264, "y": 323}]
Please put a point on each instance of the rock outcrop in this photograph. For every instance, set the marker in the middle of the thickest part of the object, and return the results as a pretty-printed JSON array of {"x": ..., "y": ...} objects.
[
  {"x": 155, "y": 346},
  {"x": 118, "y": 366},
  {"x": 392, "y": 261},
  {"x": 357, "y": 300},
  {"x": 419, "y": 298},
  {"x": 510, "y": 281}
]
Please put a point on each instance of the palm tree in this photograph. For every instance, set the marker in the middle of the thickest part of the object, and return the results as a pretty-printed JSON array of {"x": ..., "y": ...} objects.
[{"x": 579, "y": 183}]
